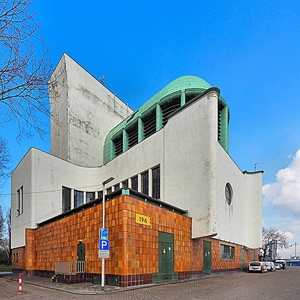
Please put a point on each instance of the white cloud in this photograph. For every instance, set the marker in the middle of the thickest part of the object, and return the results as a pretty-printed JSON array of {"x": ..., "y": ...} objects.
[{"x": 284, "y": 193}]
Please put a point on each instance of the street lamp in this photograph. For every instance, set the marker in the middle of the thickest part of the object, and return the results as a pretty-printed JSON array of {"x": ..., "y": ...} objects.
[{"x": 103, "y": 226}]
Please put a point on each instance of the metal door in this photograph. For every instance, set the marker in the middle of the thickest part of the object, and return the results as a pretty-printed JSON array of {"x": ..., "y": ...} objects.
[
  {"x": 80, "y": 252},
  {"x": 206, "y": 258},
  {"x": 166, "y": 254},
  {"x": 242, "y": 259}
]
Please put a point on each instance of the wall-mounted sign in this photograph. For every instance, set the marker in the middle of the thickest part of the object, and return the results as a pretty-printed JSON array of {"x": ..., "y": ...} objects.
[
  {"x": 141, "y": 219},
  {"x": 103, "y": 234}
]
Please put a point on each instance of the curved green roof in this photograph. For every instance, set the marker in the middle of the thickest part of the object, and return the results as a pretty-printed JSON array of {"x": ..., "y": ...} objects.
[
  {"x": 189, "y": 84},
  {"x": 177, "y": 85}
]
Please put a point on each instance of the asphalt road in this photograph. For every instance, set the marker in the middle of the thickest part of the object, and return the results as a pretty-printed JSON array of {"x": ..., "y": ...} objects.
[{"x": 281, "y": 284}]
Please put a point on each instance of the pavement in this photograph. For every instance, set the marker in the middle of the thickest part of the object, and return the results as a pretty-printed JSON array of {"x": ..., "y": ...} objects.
[
  {"x": 77, "y": 288},
  {"x": 84, "y": 288},
  {"x": 278, "y": 285}
]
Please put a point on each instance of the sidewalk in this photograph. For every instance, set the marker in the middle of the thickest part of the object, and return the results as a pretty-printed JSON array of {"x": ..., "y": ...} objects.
[
  {"x": 90, "y": 288},
  {"x": 77, "y": 288}
]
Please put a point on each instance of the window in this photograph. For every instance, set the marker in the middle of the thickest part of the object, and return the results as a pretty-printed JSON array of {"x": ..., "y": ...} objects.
[
  {"x": 228, "y": 193},
  {"x": 132, "y": 135},
  {"x": 116, "y": 187},
  {"x": 134, "y": 183},
  {"x": 90, "y": 196},
  {"x": 109, "y": 191},
  {"x": 125, "y": 184},
  {"x": 145, "y": 182},
  {"x": 66, "y": 199},
  {"x": 169, "y": 107},
  {"x": 118, "y": 144},
  {"x": 149, "y": 123},
  {"x": 226, "y": 252},
  {"x": 78, "y": 198},
  {"x": 19, "y": 205},
  {"x": 100, "y": 195},
  {"x": 156, "y": 182}
]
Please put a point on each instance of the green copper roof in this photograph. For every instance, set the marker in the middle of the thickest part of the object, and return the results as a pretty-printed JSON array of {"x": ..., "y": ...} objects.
[
  {"x": 174, "y": 87},
  {"x": 188, "y": 84}
]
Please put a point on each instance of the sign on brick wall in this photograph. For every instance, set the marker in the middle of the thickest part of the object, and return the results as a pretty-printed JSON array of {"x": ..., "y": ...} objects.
[{"x": 141, "y": 219}]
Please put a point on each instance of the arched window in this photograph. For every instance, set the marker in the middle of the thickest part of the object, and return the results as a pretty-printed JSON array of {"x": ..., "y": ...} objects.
[{"x": 228, "y": 193}]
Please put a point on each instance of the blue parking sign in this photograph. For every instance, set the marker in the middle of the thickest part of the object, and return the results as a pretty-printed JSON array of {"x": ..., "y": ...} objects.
[{"x": 104, "y": 245}]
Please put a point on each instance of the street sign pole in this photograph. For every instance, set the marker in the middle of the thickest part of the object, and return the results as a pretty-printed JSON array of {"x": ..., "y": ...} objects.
[{"x": 103, "y": 226}]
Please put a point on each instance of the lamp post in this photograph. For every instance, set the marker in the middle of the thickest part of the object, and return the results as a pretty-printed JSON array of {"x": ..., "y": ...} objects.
[{"x": 103, "y": 226}]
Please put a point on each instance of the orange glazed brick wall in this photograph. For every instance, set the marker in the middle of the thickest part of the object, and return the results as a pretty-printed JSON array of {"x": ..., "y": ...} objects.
[
  {"x": 133, "y": 246},
  {"x": 18, "y": 258},
  {"x": 219, "y": 264},
  {"x": 134, "y": 256}
]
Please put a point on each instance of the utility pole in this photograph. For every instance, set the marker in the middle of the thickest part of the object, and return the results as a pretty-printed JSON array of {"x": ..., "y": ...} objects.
[{"x": 295, "y": 249}]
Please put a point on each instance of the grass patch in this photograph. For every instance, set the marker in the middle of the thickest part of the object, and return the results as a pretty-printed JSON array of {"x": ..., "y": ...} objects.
[{"x": 4, "y": 268}]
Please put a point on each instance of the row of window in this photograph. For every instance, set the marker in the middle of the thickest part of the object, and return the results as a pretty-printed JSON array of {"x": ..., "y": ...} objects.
[
  {"x": 227, "y": 252},
  {"x": 147, "y": 183},
  {"x": 147, "y": 125},
  {"x": 139, "y": 127}
]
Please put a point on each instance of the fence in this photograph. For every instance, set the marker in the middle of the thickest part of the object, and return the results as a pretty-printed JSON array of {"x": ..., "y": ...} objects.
[{"x": 69, "y": 267}]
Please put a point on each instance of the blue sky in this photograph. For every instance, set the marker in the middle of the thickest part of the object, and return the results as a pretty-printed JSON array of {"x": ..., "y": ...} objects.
[{"x": 248, "y": 49}]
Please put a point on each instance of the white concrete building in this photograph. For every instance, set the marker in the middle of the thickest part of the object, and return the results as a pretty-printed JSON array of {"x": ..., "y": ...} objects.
[{"x": 174, "y": 148}]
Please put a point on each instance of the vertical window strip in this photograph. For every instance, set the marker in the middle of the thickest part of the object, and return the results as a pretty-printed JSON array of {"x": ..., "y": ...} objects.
[
  {"x": 20, "y": 201},
  {"x": 90, "y": 196},
  {"x": 132, "y": 135},
  {"x": 134, "y": 183},
  {"x": 78, "y": 198},
  {"x": 149, "y": 124},
  {"x": 145, "y": 183},
  {"x": 156, "y": 182},
  {"x": 100, "y": 195},
  {"x": 66, "y": 199},
  {"x": 125, "y": 184},
  {"x": 116, "y": 187},
  {"x": 168, "y": 108},
  {"x": 118, "y": 145}
]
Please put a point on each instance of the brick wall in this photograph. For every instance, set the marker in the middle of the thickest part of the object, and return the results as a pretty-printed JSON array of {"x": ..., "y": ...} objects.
[
  {"x": 133, "y": 246},
  {"x": 18, "y": 258}
]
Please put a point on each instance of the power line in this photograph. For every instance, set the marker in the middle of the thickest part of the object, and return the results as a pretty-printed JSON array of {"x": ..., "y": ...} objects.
[{"x": 52, "y": 191}]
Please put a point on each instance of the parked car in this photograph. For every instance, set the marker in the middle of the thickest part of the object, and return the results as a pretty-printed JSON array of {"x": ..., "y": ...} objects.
[
  {"x": 270, "y": 266},
  {"x": 278, "y": 266},
  {"x": 282, "y": 262},
  {"x": 257, "y": 266}
]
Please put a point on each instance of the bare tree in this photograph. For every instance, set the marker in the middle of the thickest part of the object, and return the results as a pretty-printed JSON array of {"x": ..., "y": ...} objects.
[
  {"x": 25, "y": 68},
  {"x": 272, "y": 239},
  {"x": 4, "y": 161},
  {"x": 4, "y": 234}
]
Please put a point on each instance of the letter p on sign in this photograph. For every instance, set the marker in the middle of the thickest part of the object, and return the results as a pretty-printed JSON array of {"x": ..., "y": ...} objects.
[{"x": 104, "y": 245}]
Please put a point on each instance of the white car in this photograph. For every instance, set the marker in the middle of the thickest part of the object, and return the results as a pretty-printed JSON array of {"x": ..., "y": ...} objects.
[
  {"x": 278, "y": 266},
  {"x": 257, "y": 266},
  {"x": 270, "y": 266},
  {"x": 282, "y": 262}
]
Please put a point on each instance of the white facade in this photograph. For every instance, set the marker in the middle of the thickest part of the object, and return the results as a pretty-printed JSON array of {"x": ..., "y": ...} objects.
[{"x": 194, "y": 166}]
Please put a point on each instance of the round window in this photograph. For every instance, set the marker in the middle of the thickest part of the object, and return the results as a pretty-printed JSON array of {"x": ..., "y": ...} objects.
[{"x": 228, "y": 193}]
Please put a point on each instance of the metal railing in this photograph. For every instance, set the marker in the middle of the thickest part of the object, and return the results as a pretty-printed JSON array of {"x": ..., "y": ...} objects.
[{"x": 69, "y": 267}]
